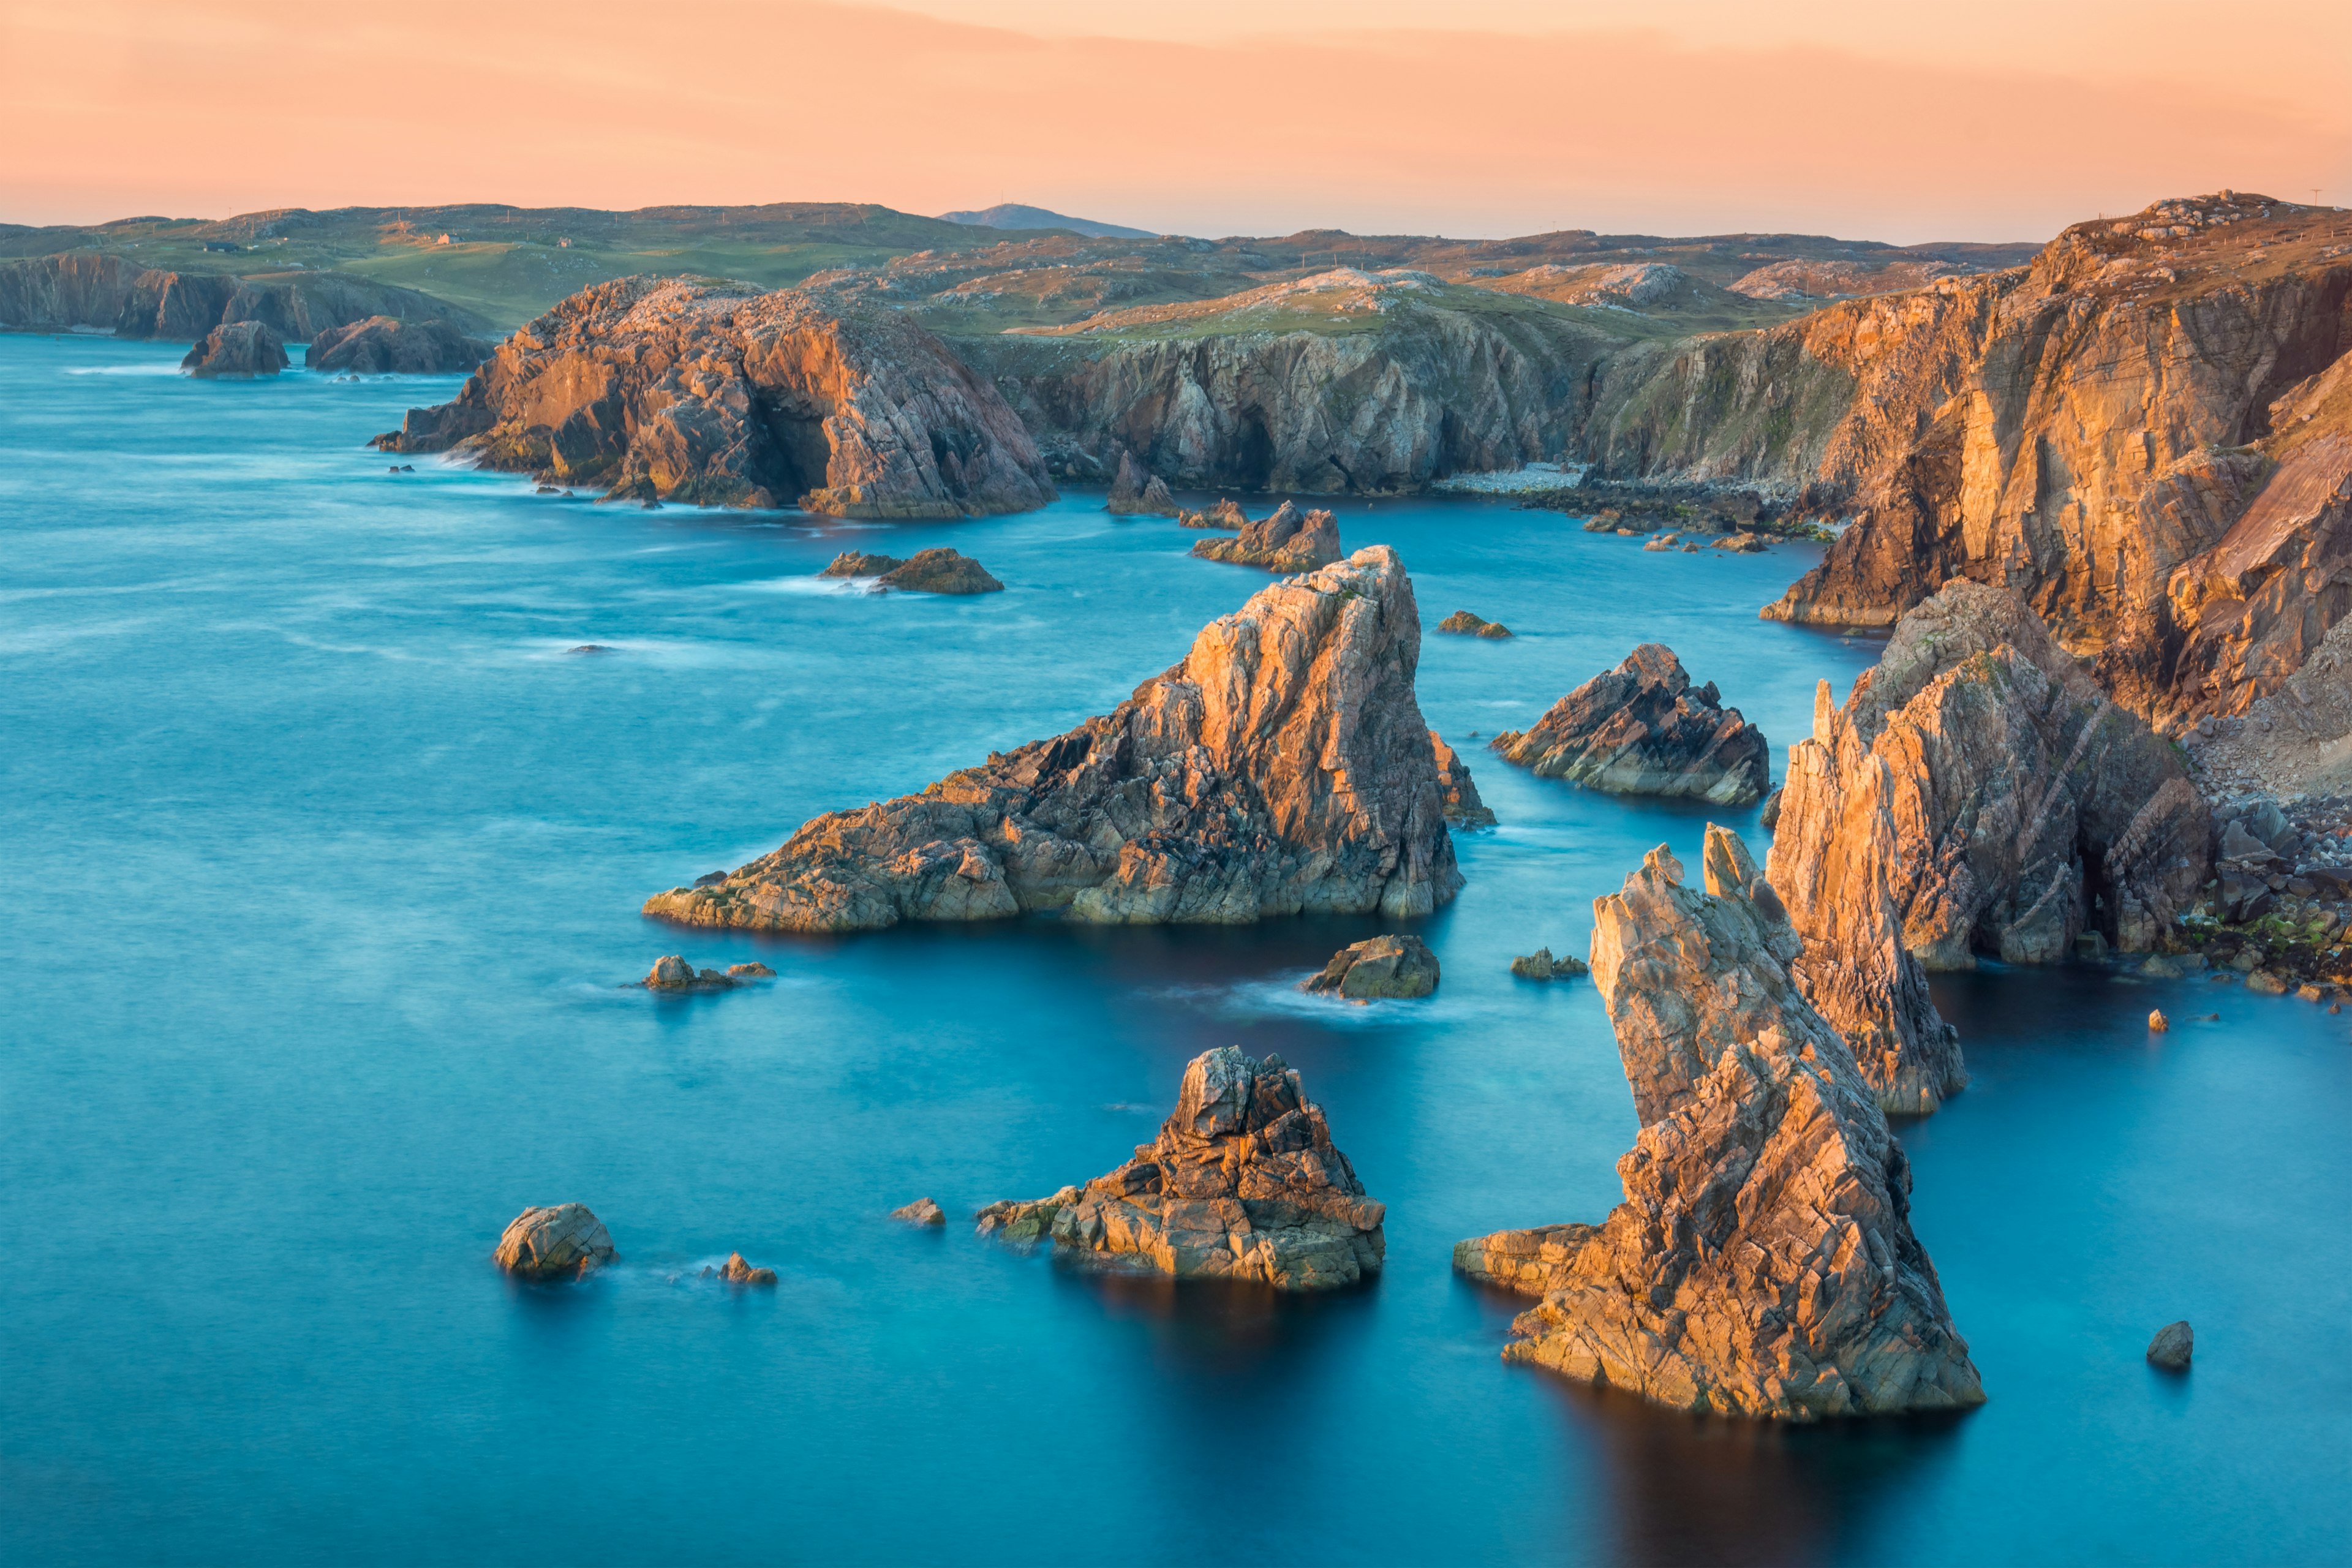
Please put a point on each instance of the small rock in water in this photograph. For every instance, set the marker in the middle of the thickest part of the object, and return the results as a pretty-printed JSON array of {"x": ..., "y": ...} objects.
[
  {"x": 2173, "y": 1345},
  {"x": 740, "y": 1272},
  {"x": 1464, "y": 622},
  {"x": 552, "y": 1242},
  {"x": 672, "y": 973},
  {"x": 922, "y": 1211},
  {"x": 1541, "y": 965},
  {"x": 589, "y": 648},
  {"x": 2267, "y": 984},
  {"x": 1382, "y": 966},
  {"x": 2158, "y": 1023}
]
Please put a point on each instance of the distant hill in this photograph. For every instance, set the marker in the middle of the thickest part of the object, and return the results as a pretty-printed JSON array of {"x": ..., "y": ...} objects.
[{"x": 1012, "y": 214}]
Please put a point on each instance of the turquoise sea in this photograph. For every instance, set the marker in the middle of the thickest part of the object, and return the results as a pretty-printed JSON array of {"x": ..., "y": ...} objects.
[{"x": 321, "y": 860}]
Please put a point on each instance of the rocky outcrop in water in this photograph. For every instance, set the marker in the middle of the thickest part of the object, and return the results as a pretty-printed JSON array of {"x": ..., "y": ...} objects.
[
  {"x": 1464, "y": 808},
  {"x": 1225, "y": 515},
  {"x": 1284, "y": 766},
  {"x": 1642, "y": 729},
  {"x": 2005, "y": 803},
  {"x": 1763, "y": 1262},
  {"x": 1379, "y": 966},
  {"x": 1243, "y": 1183},
  {"x": 721, "y": 396},
  {"x": 1286, "y": 541},
  {"x": 561, "y": 1241},
  {"x": 239, "y": 349},
  {"x": 1543, "y": 965},
  {"x": 386, "y": 345},
  {"x": 2173, "y": 1347},
  {"x": 922, "y": 1211},
  {"x": 672, "y": 973},
  {"x": 1135, "y": 493},
  {"x": 1464, "y": 624},
  {"x": 925, "y": 572},
  {"x": 738, "y": 1270}
]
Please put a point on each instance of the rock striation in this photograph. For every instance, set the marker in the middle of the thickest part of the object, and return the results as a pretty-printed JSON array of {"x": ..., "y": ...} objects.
[
  {"x": 386, "y": 345},
  {"x": 1464, "y": 624},
  {"x": 1642, "y": 729},
  {"x": 1134, "y": 493},
  {"x": 1284, "y": 542},
  {"x": 722, "y": 395},
  {"x": 1243, "y": 1183},
  {"x": 1380, "y": 966},
  {"x": 2005, "y": 805},
  {"x": 560, "y": 1241},
  {"x": 925, "y": 572},
  {"x": 1763, "y": 1262},
  {"x": 239, "y": 349},
  {"x": 1283, "y": 767}
]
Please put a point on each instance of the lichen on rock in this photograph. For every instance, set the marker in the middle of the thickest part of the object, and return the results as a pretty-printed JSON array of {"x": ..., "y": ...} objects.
[{"x": 1642, "y": 729}]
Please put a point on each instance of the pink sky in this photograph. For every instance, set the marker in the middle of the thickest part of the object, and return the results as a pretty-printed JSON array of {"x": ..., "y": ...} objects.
[{"x": 1821, "y": 116}]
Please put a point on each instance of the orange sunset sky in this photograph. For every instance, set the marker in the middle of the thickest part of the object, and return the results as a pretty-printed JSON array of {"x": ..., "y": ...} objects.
[{"x": 1999, "y": 120}]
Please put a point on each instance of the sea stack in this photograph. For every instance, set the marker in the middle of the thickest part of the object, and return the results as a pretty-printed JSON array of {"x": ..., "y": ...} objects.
[
  {"x": 1642, "y": 729},
  {"x": 1284, "y": 542},
  {"x": 236, "y": 350},
  {"x": 1243, "y": 1183},
  {"x": 1135, "y": 493},
  {"x": 1762, "y": 1263},
  {"x": 1283, "y": 767}
]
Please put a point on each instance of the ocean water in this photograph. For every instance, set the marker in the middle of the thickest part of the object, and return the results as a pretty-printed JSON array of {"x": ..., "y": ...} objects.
[{"x": 322, "y": 858}]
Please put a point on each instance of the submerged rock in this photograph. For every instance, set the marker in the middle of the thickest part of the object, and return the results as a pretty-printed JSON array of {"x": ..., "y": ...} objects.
[
  {"x": 1541, "y": 964},
  {"x": 1283, "y": 767},
  {"x": 1463, "y": 806},
  {"x": 922, "y": 1211},
  {"x": 1225, "y": 515},
  {"x": 2003, "y": 802},
  {"x": 1382, "y": 966},
  {"x": 1762, "y": 1263},
  {"x": 1462, "y": 623},
  {"x": 1243, "y": 1183},
  {"x": 236, "y": 348},
  {"x": 1642, "y": 729},
  {"x": 382, "y": 345},
  {"x": 1136, "y": 493},
  {"x": 1283, "y": 543},
  {"x": 2173, "y": 1346},
  {"x": 551, "y": 1243}
]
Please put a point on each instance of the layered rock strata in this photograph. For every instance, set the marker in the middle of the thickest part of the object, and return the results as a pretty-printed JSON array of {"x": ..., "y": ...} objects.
[
  {"x": 559, "y": 1241},
  {"x": 386, "y": 345},
  {"x": 1283, "y": 767},
  {"x": 721, "y": 396},
  {"x": 1243, "y": 1183},
  {"x": 1763, "y": 1262},
  {"x": 239, "y": 349},
  {"x": 1134, "y": 493},
  {"x": 1380, "y": 966},
  {"x": 1642, "y": 729},
  {"x": 2003, "y": 802},
  {"x": 1284, "y": 542}
]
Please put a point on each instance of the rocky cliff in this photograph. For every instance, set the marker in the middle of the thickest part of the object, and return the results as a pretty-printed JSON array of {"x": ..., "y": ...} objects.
[
  {"x": 1763, "y": 1262},
  {"x": 1283, "y": 766},
  {"x": 386, "y": 345},
  {"x": 723, "y": 395},
  {"x": 89, "y": 289},
  {"x": 1243, "y": 1183},
  {"x": 1980, "y": 778}
]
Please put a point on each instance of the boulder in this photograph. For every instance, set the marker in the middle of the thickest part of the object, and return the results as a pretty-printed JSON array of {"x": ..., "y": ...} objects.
[
  {"x": 721, "y": 394},
  {"x": 382, "y": 345},
  {"x": 1462, "y": 623},
  {"x": 2158, "y": 1023},
  {"x": 1283, "y": 767},
  {"x": 236, "y": 348},
  {"x": 2173, "y": 1346},
  {"x": 922, "y": 1211},
  {"x": 1225, "y": 515},
  {"x": 560, "y": 1241},
  {"x": 1763, "y": 1262},
  {"x": 2003, "y": 802},
  {"x": 1136, "y": 493},
  {"x": 672, "y": 973},
  {"x": 1243, "y": 1183},
  {"x": 1463, "y": 806},
  {"x": 1382, "y": 966},
  {"x": 1642, "y": 729},
  {"x": 1541, "y": 965},
  {"x": 737, "y": 1271},
  {"x": 1283, "y": 543}
]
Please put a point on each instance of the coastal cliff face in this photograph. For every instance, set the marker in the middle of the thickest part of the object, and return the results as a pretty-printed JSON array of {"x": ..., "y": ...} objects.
[
  {"x": 1979, "y": 780},
  {"x": 723, "y": 395},
  {"x": 1763, "y": 1262},
  {"x": 1283, "y": 766},
  {"x": 89, "y": 289}
]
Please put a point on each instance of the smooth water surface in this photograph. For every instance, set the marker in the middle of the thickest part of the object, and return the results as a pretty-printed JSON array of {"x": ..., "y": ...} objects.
[{"x": 322, "y": 859}]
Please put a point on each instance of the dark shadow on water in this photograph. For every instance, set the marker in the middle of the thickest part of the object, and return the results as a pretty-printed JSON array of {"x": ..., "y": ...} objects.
[{"x": 1206, "y": 1339}]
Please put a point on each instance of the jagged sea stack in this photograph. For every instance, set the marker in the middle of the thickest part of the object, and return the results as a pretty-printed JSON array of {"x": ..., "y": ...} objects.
[
  {"x": 1243, "y": 1183},
  {"x": 1762, "y": 1263},
  {"x": 1642, "y": 729},
  {"x": 1135, "y": 493},
  {"x": 1283, "y": 767}
]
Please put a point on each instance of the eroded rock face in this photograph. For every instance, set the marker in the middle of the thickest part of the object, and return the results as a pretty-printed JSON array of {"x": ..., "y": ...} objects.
[
  {"x": 563, "y": 1240},
  {"x": 1286, "y": 541},
  {"x": 2003, "y": 802},
  {"x": 1464, "y": 808},
  {"x": 1135, "y": 493},
  {"x": 1379, "y": 966},
  {"x": 1763, "y": 1262},
  {"x": 721, "y": 396},
  {"x": 1642, "y": 729},
  {"x": 1283, "y": 767},
  {"x": 1243, "y": 1183},
  {"x": 238, "y": 349},
  {"x": 386, "y": 345}
]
